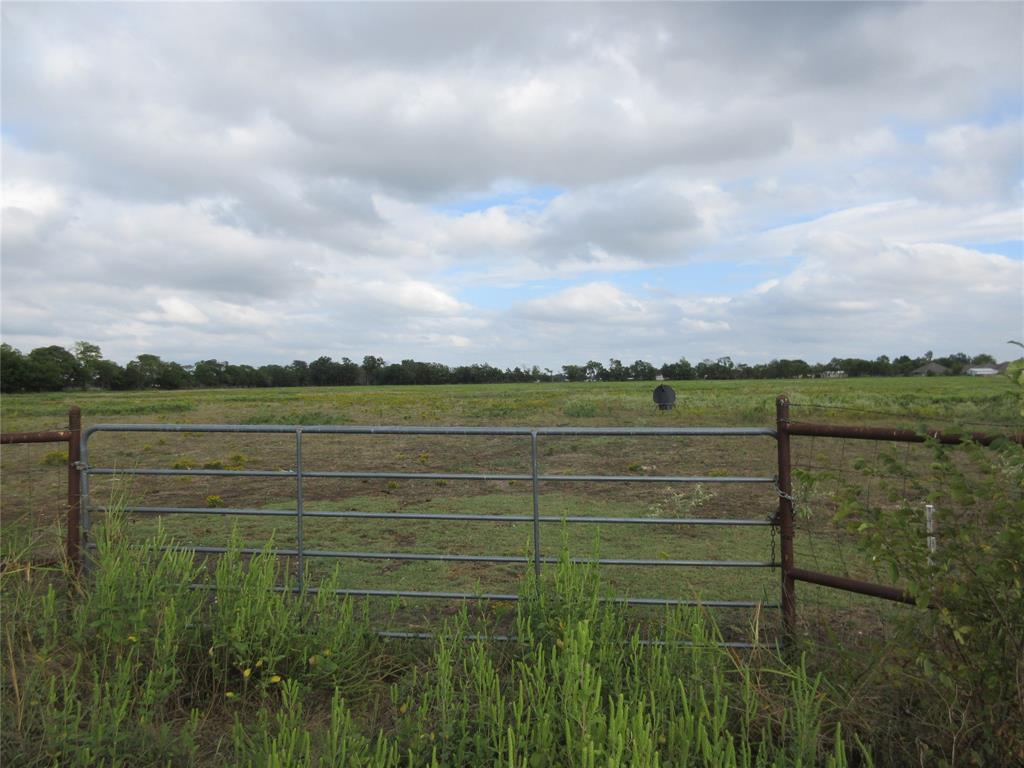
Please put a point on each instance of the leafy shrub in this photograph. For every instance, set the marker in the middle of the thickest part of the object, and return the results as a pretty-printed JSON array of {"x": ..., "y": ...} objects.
[{"x": 963, "y": 649}]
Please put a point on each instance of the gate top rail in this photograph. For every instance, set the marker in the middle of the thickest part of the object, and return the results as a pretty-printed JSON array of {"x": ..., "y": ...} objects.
[{"x": 351, "y": 429}]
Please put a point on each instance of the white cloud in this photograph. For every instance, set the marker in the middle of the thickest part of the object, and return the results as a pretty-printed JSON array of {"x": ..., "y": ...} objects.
[
  {"x": 176, "y": 310},
  {"x": 257, "y": 182},
  {"x": 410, "y": 296}
]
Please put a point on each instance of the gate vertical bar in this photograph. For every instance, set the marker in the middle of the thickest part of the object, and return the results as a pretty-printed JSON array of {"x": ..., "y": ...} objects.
[
  {"x": 298, "y": 508},
  {"x": 785, "y": 514},
  {"x": 536, "y": 506},
  {"x": 86, "y": 515},
  {"x": 74, "y": 488}
]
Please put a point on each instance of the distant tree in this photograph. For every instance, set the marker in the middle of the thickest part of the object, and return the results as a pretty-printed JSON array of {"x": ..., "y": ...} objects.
[
  {"x": 678, "y": 371},
  {"x": 574, "y": 372},
  {"x": 595, "y": 371},
  {"x": 172, "y": 376},
  {"x": 323, "y": 372},
  {"x": 785, "y": 369},
  {"x": 985, "y": 360},
  {"x": 144, "y": 371},
  {"x": 617, "y": 371},
  {"x": 13, "y": 370},
  {"x": 641, "y": 370},
  {"x": 903, "y": 365},
  {"x": 371, "y": 368},
  {"x": 277, "y": 376},
  {"x": 722, "y": 368},
  {"x": 209, "y": 373},
  {"x": 107, "y": 374},
  {"x": 88, "y": 357},
  {"x": 300, "y": 372},
  {"x": 53, "y": 368}
]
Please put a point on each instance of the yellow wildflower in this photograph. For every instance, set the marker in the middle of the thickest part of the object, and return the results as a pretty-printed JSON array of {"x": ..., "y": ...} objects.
[
  {"x": 229, "y": 695},
  {"x": 246, "y": 672},
  {"x": 275, "y": 678}
]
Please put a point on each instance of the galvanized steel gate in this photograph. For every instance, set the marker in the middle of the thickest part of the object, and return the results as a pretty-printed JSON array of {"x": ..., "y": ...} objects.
[{"x": 535, "y": 477}]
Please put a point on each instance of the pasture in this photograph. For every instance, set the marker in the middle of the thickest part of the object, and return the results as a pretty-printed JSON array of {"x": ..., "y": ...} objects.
[
  {"x": 915, "y": 403},
  {"x": 943, "y": 402},
  {"x": 32, "y": 506}
]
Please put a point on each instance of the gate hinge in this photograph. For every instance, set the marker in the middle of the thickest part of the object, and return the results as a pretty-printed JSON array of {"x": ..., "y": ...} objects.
[{"x": 79, "y": 465}]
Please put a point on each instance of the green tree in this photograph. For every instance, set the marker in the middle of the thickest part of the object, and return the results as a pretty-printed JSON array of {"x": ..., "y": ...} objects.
[
  {"x": 144, "y": 371},
  {"x": 88, "y": 356},
  {"x": 14, "y": 375},
  {"x": 678, "y": 371},
  {"x": 617, "y": 371},
  {"x": 641, "y": 370},
  {"x": 53, "y": 368}
]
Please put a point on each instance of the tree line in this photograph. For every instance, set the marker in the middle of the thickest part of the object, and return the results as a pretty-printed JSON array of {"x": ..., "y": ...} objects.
[{"x": 54, "y": 368}]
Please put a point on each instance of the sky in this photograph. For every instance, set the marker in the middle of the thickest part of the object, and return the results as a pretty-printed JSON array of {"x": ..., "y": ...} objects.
[{"x": 515, "y": 184}]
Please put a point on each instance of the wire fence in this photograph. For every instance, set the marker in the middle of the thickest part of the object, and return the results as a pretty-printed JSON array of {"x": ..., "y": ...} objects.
[
  {"x": 831, "y": 474},
  {"x": 33, "y": 500}
]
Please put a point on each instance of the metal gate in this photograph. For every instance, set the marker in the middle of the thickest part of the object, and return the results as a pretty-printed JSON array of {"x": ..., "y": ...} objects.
[{"x": 535, "y": 477}]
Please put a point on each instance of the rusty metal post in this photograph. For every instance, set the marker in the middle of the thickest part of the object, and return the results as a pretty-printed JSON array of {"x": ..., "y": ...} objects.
[
  {"x": 74, "y": 487},
  {"x": 785, "y": 514}
]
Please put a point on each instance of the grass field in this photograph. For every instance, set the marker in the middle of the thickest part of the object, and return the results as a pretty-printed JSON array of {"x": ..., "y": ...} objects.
[
  {"x": 32, "y": 475},
  {"x": 171, "y": 685}
]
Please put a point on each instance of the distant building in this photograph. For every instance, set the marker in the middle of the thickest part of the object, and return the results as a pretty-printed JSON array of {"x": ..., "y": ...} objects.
[
  {"x": 832, "y": 375},
  {"x": 986, "y": 371},
  {"x": 930, "y": 369}
]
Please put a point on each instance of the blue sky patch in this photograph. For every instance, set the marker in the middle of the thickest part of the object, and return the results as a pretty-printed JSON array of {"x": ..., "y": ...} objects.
[{"x": 533, "y": 198}]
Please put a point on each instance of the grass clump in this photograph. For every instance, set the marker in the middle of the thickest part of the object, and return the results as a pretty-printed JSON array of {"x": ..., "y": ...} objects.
[
  {"x": 139, "y": 667},
  {"x": 54, "y": 459}
]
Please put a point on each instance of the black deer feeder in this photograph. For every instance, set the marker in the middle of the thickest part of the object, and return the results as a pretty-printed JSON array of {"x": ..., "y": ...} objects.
[{"x": 665, "y": 397}]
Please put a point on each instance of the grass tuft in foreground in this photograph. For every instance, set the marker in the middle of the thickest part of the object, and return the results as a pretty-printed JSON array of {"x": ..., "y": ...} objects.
[{"x": 135, "y": 667}]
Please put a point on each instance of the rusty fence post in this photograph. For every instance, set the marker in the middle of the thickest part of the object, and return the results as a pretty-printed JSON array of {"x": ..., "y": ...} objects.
[
  {"x": 74, "y": 487},
  {"x": 785, "y": 514}
]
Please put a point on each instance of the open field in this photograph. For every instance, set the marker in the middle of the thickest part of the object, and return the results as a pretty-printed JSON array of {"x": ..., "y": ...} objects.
[
  {"x": 949, "y": 400},
  {"x": 32, "y": 476},
  {"x": 261, "y": 667}
]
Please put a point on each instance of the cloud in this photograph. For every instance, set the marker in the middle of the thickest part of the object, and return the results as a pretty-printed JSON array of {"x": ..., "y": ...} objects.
[
  {"x": 260, "y": 182},
  {"x": 593, "y": 303}
]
